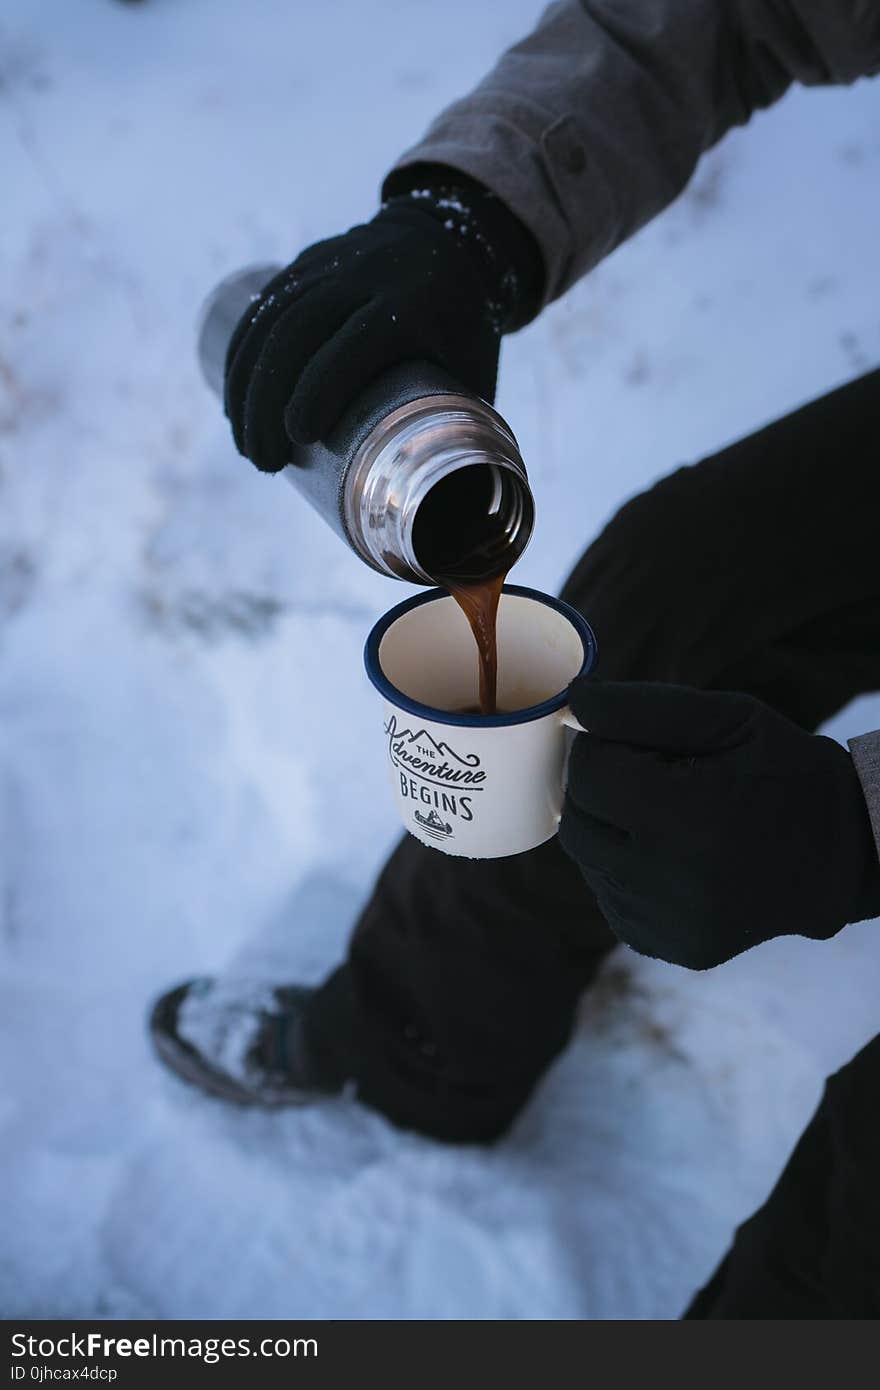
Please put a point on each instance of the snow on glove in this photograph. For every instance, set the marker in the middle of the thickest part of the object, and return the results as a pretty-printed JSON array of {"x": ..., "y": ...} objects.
[
  {"x": 706, "y": 823},
  {"x": 438, "y": 275}
]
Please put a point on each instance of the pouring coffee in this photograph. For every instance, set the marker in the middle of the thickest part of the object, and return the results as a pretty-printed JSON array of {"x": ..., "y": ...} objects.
[{"x": 421, "y": 478}]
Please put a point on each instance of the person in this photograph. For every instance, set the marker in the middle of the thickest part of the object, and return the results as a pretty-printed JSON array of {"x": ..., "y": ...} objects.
[{"x": 704, "y": 814}]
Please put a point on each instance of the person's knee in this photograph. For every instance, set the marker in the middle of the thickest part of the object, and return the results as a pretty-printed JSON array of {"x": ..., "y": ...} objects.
[{"x": 645, "y": 584}]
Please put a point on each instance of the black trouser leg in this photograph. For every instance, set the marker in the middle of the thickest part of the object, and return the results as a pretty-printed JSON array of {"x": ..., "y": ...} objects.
[
  {"x": 461, "y": 985},
  {"x": 755, "y": 570},
  {"x": 813, "y": 1249}
]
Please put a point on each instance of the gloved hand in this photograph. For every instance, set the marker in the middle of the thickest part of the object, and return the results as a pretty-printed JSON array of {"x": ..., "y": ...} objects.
[
  {"x": 706, "y": 823},
  {"x": 438, "y": 275}
]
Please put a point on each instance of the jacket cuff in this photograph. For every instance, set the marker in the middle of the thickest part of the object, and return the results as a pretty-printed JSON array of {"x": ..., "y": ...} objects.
[
  {"x": 865, "y": 750},
  {"x": 543, "y": 175}
]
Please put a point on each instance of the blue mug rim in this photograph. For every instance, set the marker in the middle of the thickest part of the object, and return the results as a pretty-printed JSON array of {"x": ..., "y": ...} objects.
[{"x": 476, "y": 721}]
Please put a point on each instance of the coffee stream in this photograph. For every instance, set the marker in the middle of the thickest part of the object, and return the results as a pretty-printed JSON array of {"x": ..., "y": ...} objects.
[
  {"x": 479, "y": 603},
  {"x": 460, "y": 536}
]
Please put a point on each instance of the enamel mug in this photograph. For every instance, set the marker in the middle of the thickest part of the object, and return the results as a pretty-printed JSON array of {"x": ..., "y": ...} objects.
[{"x": 478, "y": 786}]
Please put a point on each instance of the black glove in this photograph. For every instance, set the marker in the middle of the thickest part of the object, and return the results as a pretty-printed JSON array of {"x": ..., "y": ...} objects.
[
  {"x": 705, "y": 823},
  {"x": 438, "y": 275}
]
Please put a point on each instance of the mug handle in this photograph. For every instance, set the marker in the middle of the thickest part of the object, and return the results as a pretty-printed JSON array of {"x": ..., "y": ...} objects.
[{"x": 568, "y": 719}]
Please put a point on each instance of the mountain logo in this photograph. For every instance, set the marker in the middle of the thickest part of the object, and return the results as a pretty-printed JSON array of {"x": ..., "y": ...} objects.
[
  {"x": 427, "y": 744},
  {"x": 432, "y": 825},
  {"x": 417, "y": 753}
]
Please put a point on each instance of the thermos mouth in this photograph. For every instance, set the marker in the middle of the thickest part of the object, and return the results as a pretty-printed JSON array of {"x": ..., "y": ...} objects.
[{"x": 439, "y": 492}]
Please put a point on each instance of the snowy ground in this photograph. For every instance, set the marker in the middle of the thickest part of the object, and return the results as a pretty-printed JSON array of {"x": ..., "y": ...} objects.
[{"x": 187, "y": 744}]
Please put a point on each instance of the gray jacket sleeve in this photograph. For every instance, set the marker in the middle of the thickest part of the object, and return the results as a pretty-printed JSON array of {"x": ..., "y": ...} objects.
[
  {"x": 596, "y": 121},
  {"x": 865, "y": 752}
]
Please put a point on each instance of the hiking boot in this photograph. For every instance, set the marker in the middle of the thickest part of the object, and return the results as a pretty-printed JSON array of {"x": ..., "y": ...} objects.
[{"x": 242, "y": 1041}]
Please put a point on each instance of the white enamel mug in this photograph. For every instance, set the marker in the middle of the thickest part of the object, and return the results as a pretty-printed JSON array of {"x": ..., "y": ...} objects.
[{"x": 480, "y": 786}]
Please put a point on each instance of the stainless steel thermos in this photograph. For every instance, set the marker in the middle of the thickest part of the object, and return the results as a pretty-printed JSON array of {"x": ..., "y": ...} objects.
[{"x": 422, "y": 479}]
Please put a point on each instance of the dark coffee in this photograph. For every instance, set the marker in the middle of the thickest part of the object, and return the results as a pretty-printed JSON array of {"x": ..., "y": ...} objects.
[
  {"x": 479, "y": 603},
  {"x": 462, "y": 534}
]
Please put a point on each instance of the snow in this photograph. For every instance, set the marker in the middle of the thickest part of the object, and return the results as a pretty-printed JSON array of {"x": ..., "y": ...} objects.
[{"x": 190, "y": 779}]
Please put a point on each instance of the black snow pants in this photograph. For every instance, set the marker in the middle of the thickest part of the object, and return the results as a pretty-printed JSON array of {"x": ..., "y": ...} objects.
[{"x": 756, "y": 570}]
